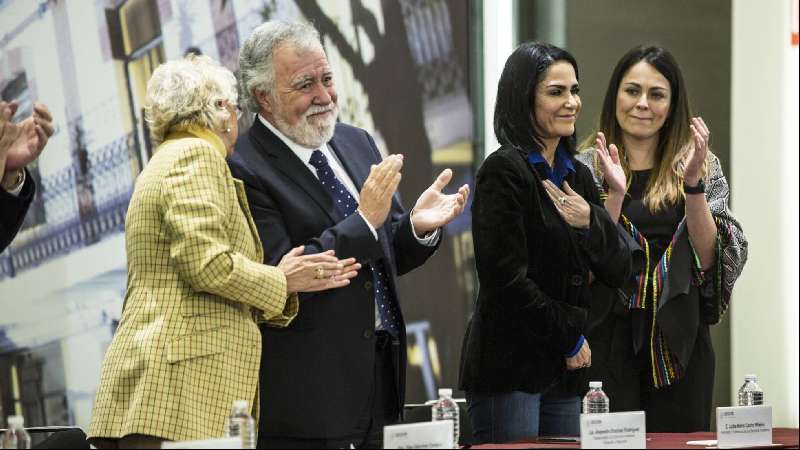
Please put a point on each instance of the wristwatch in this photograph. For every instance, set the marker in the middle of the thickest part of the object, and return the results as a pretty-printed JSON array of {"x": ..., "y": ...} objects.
[{"x": 699, "y": 189}]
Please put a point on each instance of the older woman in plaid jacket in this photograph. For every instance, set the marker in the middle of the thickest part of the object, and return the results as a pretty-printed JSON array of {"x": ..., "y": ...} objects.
[{"x": 188, "y": 343}]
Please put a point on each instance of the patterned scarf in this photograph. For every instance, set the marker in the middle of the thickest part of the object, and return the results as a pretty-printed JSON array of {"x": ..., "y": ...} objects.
[
  {"x": 731, "y": 255},
  {"x": 666, "y": 368}
]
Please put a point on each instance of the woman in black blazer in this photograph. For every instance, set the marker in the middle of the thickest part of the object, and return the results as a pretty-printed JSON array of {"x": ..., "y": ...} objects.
[{"x": 541, "y": 236}]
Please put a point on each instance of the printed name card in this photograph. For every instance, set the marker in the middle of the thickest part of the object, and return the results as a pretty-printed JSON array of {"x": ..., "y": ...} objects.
[
  {"x": 744, "y": 426},
  {"x": 419, "y": 435},
  {"x": 232, "y": 442},
  {"x": 613, "y": 430}
]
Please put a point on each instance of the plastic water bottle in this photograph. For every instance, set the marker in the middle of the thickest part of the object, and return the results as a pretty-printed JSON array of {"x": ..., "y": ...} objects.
[
  {"x": 596, "y": 401},
  {"x": 241, "y": 423},
  {"x": 16, "y": 436},
  {"x": 750, "y": 394},
  {"x": 446, "y": 409}
]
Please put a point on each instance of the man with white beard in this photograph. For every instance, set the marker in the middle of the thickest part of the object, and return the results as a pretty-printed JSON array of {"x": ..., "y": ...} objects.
[{"x": 336, "y": 375}]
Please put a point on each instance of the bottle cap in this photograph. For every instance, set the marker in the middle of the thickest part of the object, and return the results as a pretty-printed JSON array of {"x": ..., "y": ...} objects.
[
  {"x": 16, "y": 422},
  {"x": 750, "y": 377},
  {"x": 445, "y": 392},
  {"x": 240, "y": 405},
  {"x": 596, "y": 384}
]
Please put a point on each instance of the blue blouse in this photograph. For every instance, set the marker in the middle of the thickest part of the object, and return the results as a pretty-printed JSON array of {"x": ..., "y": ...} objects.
[{"x": 563, "y": 165}]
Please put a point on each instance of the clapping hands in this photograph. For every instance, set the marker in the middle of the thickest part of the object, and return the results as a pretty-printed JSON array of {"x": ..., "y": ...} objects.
[
  {"x": 22, "y": 143},
  {"x": 378, "y": 190},
  {"x": 610, "y": 166},
  {"x": 435, "y": 209},
  {"x": 697, "y": 155}
]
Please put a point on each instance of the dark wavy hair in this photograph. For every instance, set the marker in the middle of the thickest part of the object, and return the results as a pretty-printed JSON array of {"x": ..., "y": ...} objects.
[{"x": 516, "y": 93}]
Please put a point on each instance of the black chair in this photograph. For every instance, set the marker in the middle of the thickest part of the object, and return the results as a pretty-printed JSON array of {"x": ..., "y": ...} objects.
[
  {"x": 74, "y": 438},
  {"x": 422, "y": 413}
]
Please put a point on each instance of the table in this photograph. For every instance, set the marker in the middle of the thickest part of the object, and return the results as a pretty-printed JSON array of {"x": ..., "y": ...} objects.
[{"x": 783, "y": 437}]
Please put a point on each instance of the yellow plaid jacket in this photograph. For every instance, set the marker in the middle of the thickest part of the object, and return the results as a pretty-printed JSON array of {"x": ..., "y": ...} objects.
[{"x": 187, "y": 344}]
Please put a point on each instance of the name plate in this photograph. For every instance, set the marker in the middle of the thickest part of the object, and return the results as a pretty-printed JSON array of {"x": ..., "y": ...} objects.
[
  {"x": 744, "y": 426},
  {"x": 613, "y": 430},
  {"x": 419, "y": 435},
  {"x": 232, "y": 442}
]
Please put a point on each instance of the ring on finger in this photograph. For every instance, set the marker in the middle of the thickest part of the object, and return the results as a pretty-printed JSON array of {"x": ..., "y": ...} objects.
[
  {"x": 319, "y": 273},
  {"x": 563, "y": 200}
]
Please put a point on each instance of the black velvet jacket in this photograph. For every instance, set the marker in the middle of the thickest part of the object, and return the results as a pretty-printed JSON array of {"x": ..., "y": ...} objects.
[{"x": 534, "y": 271}]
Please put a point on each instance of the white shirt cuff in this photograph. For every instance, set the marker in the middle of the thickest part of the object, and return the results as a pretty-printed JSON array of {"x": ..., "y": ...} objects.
[
  {"x": 371, "y": 228},
  {"x": 430, "y": 240},
  {"x": 17, "y": 190}
]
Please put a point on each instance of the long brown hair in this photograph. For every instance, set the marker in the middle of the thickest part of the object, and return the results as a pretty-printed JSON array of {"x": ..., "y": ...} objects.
[{"x": 665, "y": 186}]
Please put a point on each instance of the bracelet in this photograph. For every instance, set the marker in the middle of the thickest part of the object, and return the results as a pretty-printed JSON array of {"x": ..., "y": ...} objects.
[{"x": 18, "y": 182}]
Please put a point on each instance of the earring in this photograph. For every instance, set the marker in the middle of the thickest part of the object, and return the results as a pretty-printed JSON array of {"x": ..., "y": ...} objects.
[{"x": 227, "y": 130}]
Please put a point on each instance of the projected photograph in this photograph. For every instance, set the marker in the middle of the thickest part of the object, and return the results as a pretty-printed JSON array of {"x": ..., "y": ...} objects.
[{"x": 402, "y": 69}]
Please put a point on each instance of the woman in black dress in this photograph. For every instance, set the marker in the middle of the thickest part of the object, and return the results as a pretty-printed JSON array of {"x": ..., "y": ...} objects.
[
  {"x": 652, "y": 346},
  {"x": 541, "y": 235}
]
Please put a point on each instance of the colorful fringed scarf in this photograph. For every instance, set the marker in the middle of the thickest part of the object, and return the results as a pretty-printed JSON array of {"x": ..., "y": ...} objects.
[
  {"x": 731, "y": 255},
  {"x": 665, "y": 366}
]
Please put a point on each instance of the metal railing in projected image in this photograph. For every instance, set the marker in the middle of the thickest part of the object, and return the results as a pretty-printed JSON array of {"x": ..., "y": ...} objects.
[{"x": 110, "y": 175}]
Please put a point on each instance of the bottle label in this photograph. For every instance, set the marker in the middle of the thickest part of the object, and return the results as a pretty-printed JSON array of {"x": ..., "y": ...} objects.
[
  {"x": 613, "y": 430},
  {"x": 744, "y": 426}
]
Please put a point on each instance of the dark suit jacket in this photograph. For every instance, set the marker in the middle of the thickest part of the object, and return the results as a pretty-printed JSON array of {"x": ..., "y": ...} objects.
[
  {"x": 533, "y": 270},
  {"x": 316, "y": 374},
  {"x": 13, "y": 210}
]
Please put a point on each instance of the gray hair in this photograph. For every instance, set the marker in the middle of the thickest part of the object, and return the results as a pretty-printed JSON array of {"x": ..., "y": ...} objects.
[
  {"x": 188, "y": 92},
  {"x": 256, "y": 71}
]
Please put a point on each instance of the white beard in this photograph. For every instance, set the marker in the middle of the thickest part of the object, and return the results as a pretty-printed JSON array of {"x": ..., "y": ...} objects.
[{"x": 310, "y": 133}]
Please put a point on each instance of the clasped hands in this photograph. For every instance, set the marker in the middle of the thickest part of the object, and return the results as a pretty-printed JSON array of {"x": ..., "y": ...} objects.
[
  {"x": 316, "y": 272},
  {"x": 432, "y": 210}
]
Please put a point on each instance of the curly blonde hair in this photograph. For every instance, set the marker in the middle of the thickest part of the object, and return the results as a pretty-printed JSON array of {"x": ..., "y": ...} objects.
[{"x": 189, "y": 91}]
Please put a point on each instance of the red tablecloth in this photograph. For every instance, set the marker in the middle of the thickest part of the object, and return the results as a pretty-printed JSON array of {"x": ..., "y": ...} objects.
[{"x": 782, "y": 437}]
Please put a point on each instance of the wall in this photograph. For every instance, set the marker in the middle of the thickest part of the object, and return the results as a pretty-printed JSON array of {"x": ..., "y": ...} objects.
[
  {"x": 764, "y": 156},
  {"x": 498, "y": 43}
]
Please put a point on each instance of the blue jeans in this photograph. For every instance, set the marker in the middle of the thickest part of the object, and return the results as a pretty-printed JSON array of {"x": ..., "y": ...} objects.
[{"x": 519, "y": 415}]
